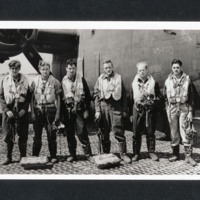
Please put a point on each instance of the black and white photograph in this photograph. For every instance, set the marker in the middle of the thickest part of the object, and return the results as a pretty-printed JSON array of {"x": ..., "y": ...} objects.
[{"x": 96, "y": 100}]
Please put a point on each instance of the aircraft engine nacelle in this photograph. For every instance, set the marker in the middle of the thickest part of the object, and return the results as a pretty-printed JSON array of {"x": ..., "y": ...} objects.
[{"x": 12, "y": 41}]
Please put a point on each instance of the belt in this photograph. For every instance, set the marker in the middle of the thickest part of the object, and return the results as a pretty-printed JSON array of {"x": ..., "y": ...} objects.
[
  {"x": 47, "y": 105},
  {"x": 174, "y": 103}
]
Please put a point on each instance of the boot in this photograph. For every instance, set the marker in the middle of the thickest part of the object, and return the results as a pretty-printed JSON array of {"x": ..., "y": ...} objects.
[
  {"x": 9, "y": 154},
  {"x": 72, "y": 158},
  {"x": 136, "y": 150},
  {"x": 188, "y": 156},
  {"x": 88, "y": 153},
  {"x": 72, "y": 151},
  {"x": 22, "y": 150},
  {"x": 175, "y": 154},
  {"x": 122, "y": 151},
  {"x": 36, "y": 148},
  {"x": 53, "y": 151},
  {"x": 106, "y": 146},
  {"x": 151, "y": 149}
]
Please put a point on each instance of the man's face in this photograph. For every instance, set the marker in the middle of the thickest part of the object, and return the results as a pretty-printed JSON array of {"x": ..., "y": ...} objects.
[
  {"x": 176, "y": 69},
  {"x": 71, "y": 70},
  {"x": 44, "y": 70},
  {"x": 14, "y": 70},
  {"x": 108, "y": 68},
  {"x": 142, "y": 70}
]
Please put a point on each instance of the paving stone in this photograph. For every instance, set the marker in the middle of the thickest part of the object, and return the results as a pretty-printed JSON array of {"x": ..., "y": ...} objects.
[{"x": 145, "y": 166}]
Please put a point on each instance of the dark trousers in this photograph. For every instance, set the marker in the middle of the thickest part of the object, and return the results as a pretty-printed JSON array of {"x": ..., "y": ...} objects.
[
  {"x": 139, "y": 127},
  {"x": 76, "y": 123},
  {"x": 44, "y": 120},
  {"x": 22, "y": 131},
  {"x": 111, "y": 119}
]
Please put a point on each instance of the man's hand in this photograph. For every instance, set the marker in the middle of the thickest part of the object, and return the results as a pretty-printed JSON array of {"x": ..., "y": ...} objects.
[
  {"x": 86, "y": 114},
  {"x": 10, "y": 114},
  {"x": 97, "y": 115},
  {"x": 131, "y": 118},
  {"x": 189, "y": 117},
  {"x": 21, "y": 112}
]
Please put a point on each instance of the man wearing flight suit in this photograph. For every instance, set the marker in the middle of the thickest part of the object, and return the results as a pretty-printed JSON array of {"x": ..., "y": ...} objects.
[
  {"x": 76, "y": 99},
  {"x": 15, "y": 99},
  {"x": 111, "y": 107},
  {"x": 144, "y": 96},
  {"x": 179, "y": 95},
  {"x": 45, "y": 109}
]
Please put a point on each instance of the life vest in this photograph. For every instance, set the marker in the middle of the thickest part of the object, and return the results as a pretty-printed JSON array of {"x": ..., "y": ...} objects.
[
  {"x": 143, "y": 89},
  {"x": 13, "y": 91},
  {"x": 73, "y": 89},
  {"x": 177, "y": 90},
  {"x": 110, "y": 88},
  {"x": 49, "y": 93}
]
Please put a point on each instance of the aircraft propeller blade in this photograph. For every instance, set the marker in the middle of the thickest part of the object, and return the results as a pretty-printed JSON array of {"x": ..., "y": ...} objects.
[{"x": 29, "y": 51}]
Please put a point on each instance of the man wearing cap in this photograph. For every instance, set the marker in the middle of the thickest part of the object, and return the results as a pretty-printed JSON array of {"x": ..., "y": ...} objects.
[
  {"x": 144, "y": 96},
  {"x": 76, "y": 98},
  {"x": 15, "y": 99},
  {"x": 111, "y": 107},
  {"x": 45, "y": 107},
  {"x": 179, "y": 95}
]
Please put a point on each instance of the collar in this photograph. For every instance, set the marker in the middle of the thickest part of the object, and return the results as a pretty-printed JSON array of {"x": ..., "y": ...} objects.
[
  {"x": 172, "y": 76},
  {"x": 71, "y": 78},
  {"x": 142, "y": 81},
  {"x": 105, "y": 76},
  {"x": 43, "y": 80},
  {"x": 18, "y": 79}
]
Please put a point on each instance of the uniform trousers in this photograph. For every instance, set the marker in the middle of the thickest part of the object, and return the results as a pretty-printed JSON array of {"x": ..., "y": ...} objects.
[
  {"x": 112, "y": 119},
  {"x": 75, "y": 123},
  {"x": 176, "y": 121},
  {"x": 44, "y": 119}
]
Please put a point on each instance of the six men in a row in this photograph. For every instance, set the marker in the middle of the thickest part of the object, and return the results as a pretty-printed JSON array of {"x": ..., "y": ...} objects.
[{"x": 48, "y": 97}]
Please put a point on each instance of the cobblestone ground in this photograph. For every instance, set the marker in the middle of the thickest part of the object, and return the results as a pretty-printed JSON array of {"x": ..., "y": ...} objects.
[{"x": 144, "y": 166}]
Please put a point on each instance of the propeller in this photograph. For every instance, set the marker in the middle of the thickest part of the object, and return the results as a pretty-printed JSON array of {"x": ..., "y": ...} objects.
[
  {"x": 29, "y": 51},
  {"x": 15, "y": 41}
]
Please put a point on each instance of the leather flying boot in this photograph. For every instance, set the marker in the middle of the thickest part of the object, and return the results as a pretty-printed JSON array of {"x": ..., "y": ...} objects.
[
  {"x": 151, "y": 149},
  {"x": 136, "y": 150},
  {"x": 88, "y": 153},
  {"x": 72, "y": 158},
  {"x": 36, "y": 148},
  {"x": 72, "y": 144},
  {"x": 122, "y": 151},
  {"x": 22, "y": 149},
  {"x": 53, "y": 151},
  {"x": 188, "y": 156},
  {"x": 106, "y": 146},
  {"x": 175, "y": 154},
  {"x": 9, "y": 154}
]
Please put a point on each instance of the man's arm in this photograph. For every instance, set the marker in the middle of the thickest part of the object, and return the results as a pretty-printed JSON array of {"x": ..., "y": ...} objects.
[
  {"x": 87, "y": 94},
  {"x": 124, "y": 98},
  {"x": 96, "y": 96},
  {"x": 165, "y": 93},
  {"x": 2, "y": 98},
  {"x": 32, "y": 99},
  {"x": 157, "y": 91},
  {"x": 191, "y": 96},
  {"x": 131, "y": 101},
  {"x": 58, "y": 91},
  {"x": 190, "y": 101}
]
